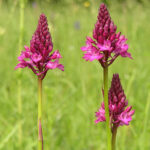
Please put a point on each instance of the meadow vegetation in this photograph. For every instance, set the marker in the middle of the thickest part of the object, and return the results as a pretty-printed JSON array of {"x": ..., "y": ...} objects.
[{"x": 72, "y": 97}]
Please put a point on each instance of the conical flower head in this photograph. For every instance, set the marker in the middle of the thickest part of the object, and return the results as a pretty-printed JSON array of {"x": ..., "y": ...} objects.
[
  {"x": 38, "y": 56},
  {"x": 119, "y": 113},
  {"x": 104, "y": 26},
  {"x": 106, "y": 44},
  {"x": 41, "y": 40}
]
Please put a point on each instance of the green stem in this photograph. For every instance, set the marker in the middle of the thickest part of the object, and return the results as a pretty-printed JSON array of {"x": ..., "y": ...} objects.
[
  {"x": 20, "y": 113},
  {"x": 114, "y": 133},
  {"x": 105, "y": 71},
  {"x": 22, "y": 5},
  {"x": 40, "y": 135},
  {"x": 0, "y": 3},
  {"x": 19, "y": 80}
]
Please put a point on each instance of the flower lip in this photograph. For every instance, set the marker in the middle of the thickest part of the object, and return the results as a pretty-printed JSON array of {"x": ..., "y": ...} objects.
[
  {"x": 106, "y": 46},
  {"x": 36, "y": 58}
]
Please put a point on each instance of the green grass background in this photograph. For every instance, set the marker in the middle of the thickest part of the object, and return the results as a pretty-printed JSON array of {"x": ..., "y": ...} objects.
[{"x": 72, "y": 97}]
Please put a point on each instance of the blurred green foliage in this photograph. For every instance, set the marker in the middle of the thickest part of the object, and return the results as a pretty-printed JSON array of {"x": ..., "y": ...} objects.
[
  {"x": 72, "y": 97},
  {"x": 74, "y": 1}
]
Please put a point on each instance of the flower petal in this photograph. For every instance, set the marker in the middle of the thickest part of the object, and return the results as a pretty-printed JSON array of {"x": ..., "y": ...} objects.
[
  {"x": 56, "y": 55},
  {"x": 36, "y": 57},
  {"x": 55, "y": 64}
]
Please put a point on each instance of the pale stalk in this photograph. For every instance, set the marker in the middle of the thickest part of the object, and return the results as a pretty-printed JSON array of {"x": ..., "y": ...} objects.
[
  {"x": 40, "y": 135},
  {"x": 19, "y": 80},
  {"x": 114, "y": 133},
  {"x": 108, "y": 129}
]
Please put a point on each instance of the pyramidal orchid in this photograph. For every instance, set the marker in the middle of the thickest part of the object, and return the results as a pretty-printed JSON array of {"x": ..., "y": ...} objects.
[
  {"x": 39, "y": 58},
  {"x": 119, "y": 113},
  {"x": 105, "y": 46}
]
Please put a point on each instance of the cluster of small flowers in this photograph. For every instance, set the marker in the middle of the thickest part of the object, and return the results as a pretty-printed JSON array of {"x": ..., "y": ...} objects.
[
  {"x": 106, "y": 44},
  {"x": 119, "y": 114},
  {"x": 38, "y": 57}
]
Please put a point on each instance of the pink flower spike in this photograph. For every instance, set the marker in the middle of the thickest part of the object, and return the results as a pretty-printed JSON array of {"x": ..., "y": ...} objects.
[
  {"x": 37, "y": 57},
  {"x": 119, "y": 114},
  {"x": 106, "y": 40}
]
